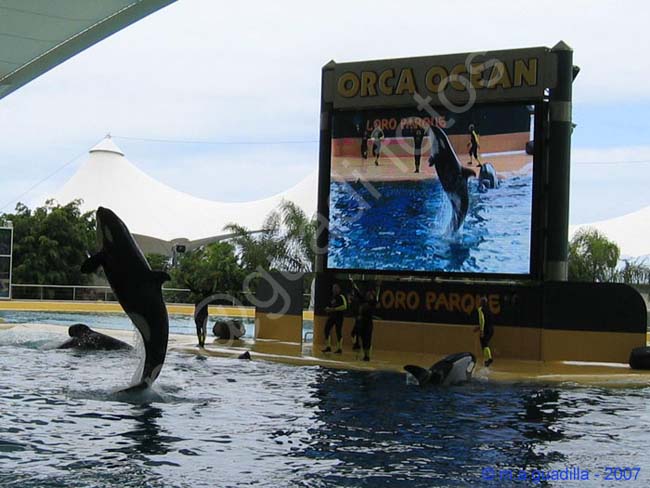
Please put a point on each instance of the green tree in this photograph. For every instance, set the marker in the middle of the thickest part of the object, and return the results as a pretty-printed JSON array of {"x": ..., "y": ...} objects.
[
  {"x": 592, "y": 257},
  {"x": 210, "y": 269},
  {"x": 158, "y": 262},
  {"x": 634, "y": 272},
  {"x": 286, "y": 241},
  {"x": 261, "y": 248},
  {"x": 51, "y": 243}
]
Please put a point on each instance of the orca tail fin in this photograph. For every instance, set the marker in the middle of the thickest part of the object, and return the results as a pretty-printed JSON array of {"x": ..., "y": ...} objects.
[
  {"x": 143, "y": 385},
  {"x": 422, "y": 375}
]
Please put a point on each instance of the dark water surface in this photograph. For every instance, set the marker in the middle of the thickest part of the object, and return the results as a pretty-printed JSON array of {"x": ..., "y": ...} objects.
[{"x": 224, "y": 422}]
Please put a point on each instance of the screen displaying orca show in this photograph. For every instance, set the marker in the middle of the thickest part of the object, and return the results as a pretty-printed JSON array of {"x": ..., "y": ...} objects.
[{"x": 443, "y": 192}]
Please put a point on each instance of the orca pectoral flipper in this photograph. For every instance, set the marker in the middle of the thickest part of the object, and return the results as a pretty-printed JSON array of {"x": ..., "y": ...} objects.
[
  {"x": 420, "y": 374},
  {"x": 93, "y": 263},
  {"x": 160, "y": 276}
]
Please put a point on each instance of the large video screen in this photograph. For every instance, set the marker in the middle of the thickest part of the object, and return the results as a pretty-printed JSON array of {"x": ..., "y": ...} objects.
[{"x": 447, "y": 192}]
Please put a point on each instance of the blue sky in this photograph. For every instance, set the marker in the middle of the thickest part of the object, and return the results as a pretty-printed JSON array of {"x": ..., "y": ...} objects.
[{"x": 212, "y": 71}]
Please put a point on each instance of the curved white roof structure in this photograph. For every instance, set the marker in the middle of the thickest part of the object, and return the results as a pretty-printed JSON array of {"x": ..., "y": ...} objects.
[
  {"x": 151, "y": 208},
  {"x": 631, "y": 232}
]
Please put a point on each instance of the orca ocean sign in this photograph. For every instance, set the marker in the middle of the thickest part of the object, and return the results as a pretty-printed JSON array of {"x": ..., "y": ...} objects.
[{"x": 492, "y": 76}]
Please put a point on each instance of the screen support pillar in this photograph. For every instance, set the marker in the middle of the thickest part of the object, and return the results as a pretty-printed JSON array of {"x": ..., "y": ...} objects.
[{"x": 559, "y": 166}]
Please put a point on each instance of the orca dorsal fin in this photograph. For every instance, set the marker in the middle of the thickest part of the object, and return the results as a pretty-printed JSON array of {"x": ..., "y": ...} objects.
[
  {"x": 160, "y": 276},
  {"x": 422, "y": 375},
  {"x": 93, "y": 263}
]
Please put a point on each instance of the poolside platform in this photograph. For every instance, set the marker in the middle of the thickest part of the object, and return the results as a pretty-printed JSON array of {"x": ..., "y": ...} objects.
[{"x": 503, "y": 370}]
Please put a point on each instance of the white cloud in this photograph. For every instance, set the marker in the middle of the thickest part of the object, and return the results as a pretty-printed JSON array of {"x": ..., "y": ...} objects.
[
  {"x": 607, "y": 183},
  {"x": 251, "y": 71}
]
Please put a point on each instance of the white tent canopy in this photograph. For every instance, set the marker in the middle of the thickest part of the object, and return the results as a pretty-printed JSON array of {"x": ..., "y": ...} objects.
[
  {"x": 151, "y": 208},
  {"x": 631, "y": 232}
]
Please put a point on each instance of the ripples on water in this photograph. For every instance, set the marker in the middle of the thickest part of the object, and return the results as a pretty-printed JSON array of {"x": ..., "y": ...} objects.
[
  {"x": 407, "y": 227},
  {"x": 224, "y": 422}
]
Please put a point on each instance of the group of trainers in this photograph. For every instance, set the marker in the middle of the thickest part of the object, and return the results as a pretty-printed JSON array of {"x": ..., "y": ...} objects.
[
  {"x": 362, "y": 305},
  {"x": 417, "y": 132}
]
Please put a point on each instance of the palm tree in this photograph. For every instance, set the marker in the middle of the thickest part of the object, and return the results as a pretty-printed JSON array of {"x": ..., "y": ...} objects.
[
  {"x": 299, "y": 237},
  {"x": 285, "y": 242},
  {"x": 258, "y": 248}
]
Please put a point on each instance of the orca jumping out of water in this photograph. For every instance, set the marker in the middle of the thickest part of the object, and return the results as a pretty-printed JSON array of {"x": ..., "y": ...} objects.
[
  {"x": 451, "y": 370},
  {"x": 137, "y": 288},
  {"x": 452, "y": 175},
  {"x": 84, "y": 338}
]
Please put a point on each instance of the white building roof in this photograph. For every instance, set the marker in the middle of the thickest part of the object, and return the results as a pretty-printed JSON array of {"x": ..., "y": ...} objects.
[
  {"x": 151, "y": 208},
  {"x": 631, "y": 232}
]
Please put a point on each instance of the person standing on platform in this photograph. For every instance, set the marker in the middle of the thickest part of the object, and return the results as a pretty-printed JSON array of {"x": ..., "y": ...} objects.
[
  {"x": 336, "y": 311},
  {"x": 473, "y": 145},
  {"x": 377, "y": 137},
  {"x": 355, "y": 297},
  {"x": 363, "y": 134},
  {"x": 365, "y": 322},
  {"x": 486, "y": 328},
  {"x": 418, "y": 136}
]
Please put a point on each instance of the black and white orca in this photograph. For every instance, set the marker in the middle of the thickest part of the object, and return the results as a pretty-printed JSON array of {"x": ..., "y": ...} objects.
[
  {"x": 452, "y": 175},
  {"x": 137, "y": 288},
  {"x": 487, "y": 177},
  {"x": 452, "y": 370},
  {"x": 84, "y": 338}
]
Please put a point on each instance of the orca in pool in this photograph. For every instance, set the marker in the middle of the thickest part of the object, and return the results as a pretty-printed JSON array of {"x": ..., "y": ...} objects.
[
  {"x": 451, "y": 370},
  {"x": 487, "y": 177},
  {"x": 137, "y": 288},
  {"x": 452, "y": 175},
  {"x": 84, "y": 338}
]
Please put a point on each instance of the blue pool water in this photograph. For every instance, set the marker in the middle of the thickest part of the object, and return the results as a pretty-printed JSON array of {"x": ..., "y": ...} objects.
[
  {"x": 407, "y": 227},
  {"x": 230, "y": 423},
  {"x": 178, "y": 324}
]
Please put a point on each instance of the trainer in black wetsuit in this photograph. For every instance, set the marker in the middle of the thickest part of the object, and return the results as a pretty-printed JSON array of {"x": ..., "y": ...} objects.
[
  {"x": 336, "y": 311},
  {"x": 354, "y": 300},
  {"x": 363, "y": 134},
  {"x": 377, "y": 136},
  {"x": 201, "y": 321},
  {"x": 418, "y": 136},
  {"x": 486, "y": 328},
  {"x": 473, "y": 145},
  {"x": 365, "y": 322}
]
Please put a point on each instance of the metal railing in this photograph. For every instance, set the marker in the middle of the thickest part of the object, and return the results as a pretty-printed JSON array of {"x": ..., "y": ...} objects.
[
  {"x": 83, "y": 293},
  {"x": 104, "y": 293}
]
